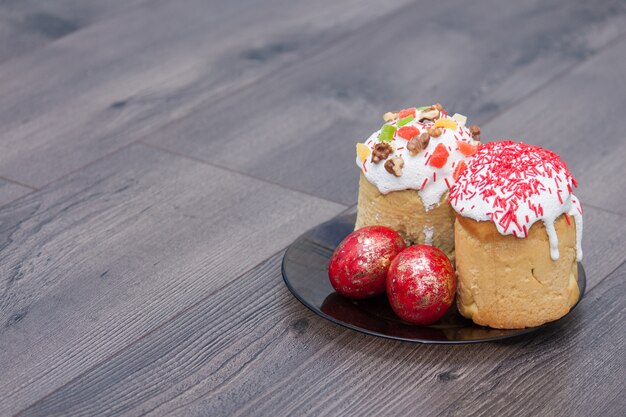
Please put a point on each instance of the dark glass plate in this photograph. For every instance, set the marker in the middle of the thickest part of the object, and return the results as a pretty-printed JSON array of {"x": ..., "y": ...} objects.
[{"x": 305, "y": 272}]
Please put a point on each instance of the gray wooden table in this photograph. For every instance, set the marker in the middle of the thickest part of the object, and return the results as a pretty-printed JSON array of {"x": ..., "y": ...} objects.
[{"x": 156, "y": 158}]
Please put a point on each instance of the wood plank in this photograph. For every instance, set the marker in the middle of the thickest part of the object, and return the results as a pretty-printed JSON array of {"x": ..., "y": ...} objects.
[
  {"x": 252, "y": 348},
  {"x": 579, "y": 117},
  {"x": 10, "y": 191},
  {"x": 575, "y": 368},
  {"x": 28, "y": 25},
  {"x": 571, "y": 369},
  {"x": 14, "y": 42},
  {"x": 304, "y": 121},
  {"x": 142, "y": 69},
  {"x": 99, "y": 260}
]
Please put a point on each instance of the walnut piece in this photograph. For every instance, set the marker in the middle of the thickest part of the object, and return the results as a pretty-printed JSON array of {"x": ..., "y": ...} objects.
[
  {"x": 418, "y": 143},
  {"x": 431, "y": 113},
  {"x": 475, "y": 131},
  {"x": 390, "y": 115},
  {"x": 394, "y": 166},
  {"x": 381, "y": 151},
  {"x": 435, "y": 132}
]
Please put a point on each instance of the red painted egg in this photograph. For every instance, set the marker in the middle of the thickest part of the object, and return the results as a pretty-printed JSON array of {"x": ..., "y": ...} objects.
[
  {"x": 358, "y": 267},
  {"x": 421, "y": 284}
]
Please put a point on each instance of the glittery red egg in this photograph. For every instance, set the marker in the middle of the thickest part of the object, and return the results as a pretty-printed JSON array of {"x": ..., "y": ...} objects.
[
  {"x": 421, "y": 284},
  {"x": 358, "y": 267}
]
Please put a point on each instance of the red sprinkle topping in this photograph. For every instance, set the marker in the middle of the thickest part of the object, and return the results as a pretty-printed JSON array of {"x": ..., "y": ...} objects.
[{"x": 506, "y": 175}]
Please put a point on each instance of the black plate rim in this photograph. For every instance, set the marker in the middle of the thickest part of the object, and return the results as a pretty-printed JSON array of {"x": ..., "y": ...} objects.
[{"x": 582, "y": 289}]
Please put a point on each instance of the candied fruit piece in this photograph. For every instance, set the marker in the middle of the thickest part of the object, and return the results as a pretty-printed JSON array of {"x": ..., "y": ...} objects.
[
  {"x": 439, "y": 157},
  {"x": 408, "y": 132},
  {"x": 362, "y": 151},
  {"x": 386, "y": 133},
  {"x": 412, "y": 111},
  {"x": 405, "y": 120},
  {"x": 459, "y": 170},
  {"x": 460, "y": 119},
  {"x": 466, "y": 148},
  {"x": 445, "y": 123},
  {"x": 390, "y": 116}
]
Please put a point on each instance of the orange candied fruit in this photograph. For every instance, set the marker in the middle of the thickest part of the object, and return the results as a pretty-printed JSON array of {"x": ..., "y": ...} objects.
[
  {"x": 466, "y": 148},
  {"x": 412, "y": 111},
  {"x": 458, "y": 171},
  {"x": 446, "y": 123},
  {"x": 439, "y": 156},
  {"x": 362, "y": 151},
  {"x": 408, "y": 132}
]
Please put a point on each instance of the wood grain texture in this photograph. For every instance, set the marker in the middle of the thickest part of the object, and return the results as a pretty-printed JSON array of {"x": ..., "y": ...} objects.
[
  {"x": 573, "y": 368},
  {"x": 251, "y": 348},
  {"x": 580, "y": 118},
  {"x": 27, "y": 25},
  {"x": 308, "y": 117},
  {"x": 142, "y": 281},
  {"x": 106, "y": 256},
  {"x": 140, "y": 70},
  {"x": 10, "y": 191},
  {"x": 359, "y": 375}
]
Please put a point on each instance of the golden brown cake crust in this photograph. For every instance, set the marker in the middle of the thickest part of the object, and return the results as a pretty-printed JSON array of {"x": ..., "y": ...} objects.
[
  {"x": 404, "y": 212},
  {"x": 509, "y": 283}
]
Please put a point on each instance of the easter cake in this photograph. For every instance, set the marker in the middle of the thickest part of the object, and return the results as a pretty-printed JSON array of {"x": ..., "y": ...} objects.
[
  {"x": 518, "y": 234},
  {"x": 407, "y": 168}
]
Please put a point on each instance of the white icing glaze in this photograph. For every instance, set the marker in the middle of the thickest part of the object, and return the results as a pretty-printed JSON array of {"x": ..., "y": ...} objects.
[
  {"x": 431, "y": 182},
  {"x": 428, "y": 235},
  {"x": 514, "y": 185}
]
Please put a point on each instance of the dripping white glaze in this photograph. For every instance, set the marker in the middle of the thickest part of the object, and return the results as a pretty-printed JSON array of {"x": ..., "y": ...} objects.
[
  {"x": 492, "y": 188},
  {"x": 428, "y": 235},
  {"x": 553, "y": 239},
  {"x": 431, "y": 183}
]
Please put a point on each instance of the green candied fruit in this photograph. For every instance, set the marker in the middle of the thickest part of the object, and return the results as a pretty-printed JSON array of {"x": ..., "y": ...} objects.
[
  {"x": 386, "y": 133},
  {"x": 405, "y": 120},
  {"x": 422, "y": 108}
]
